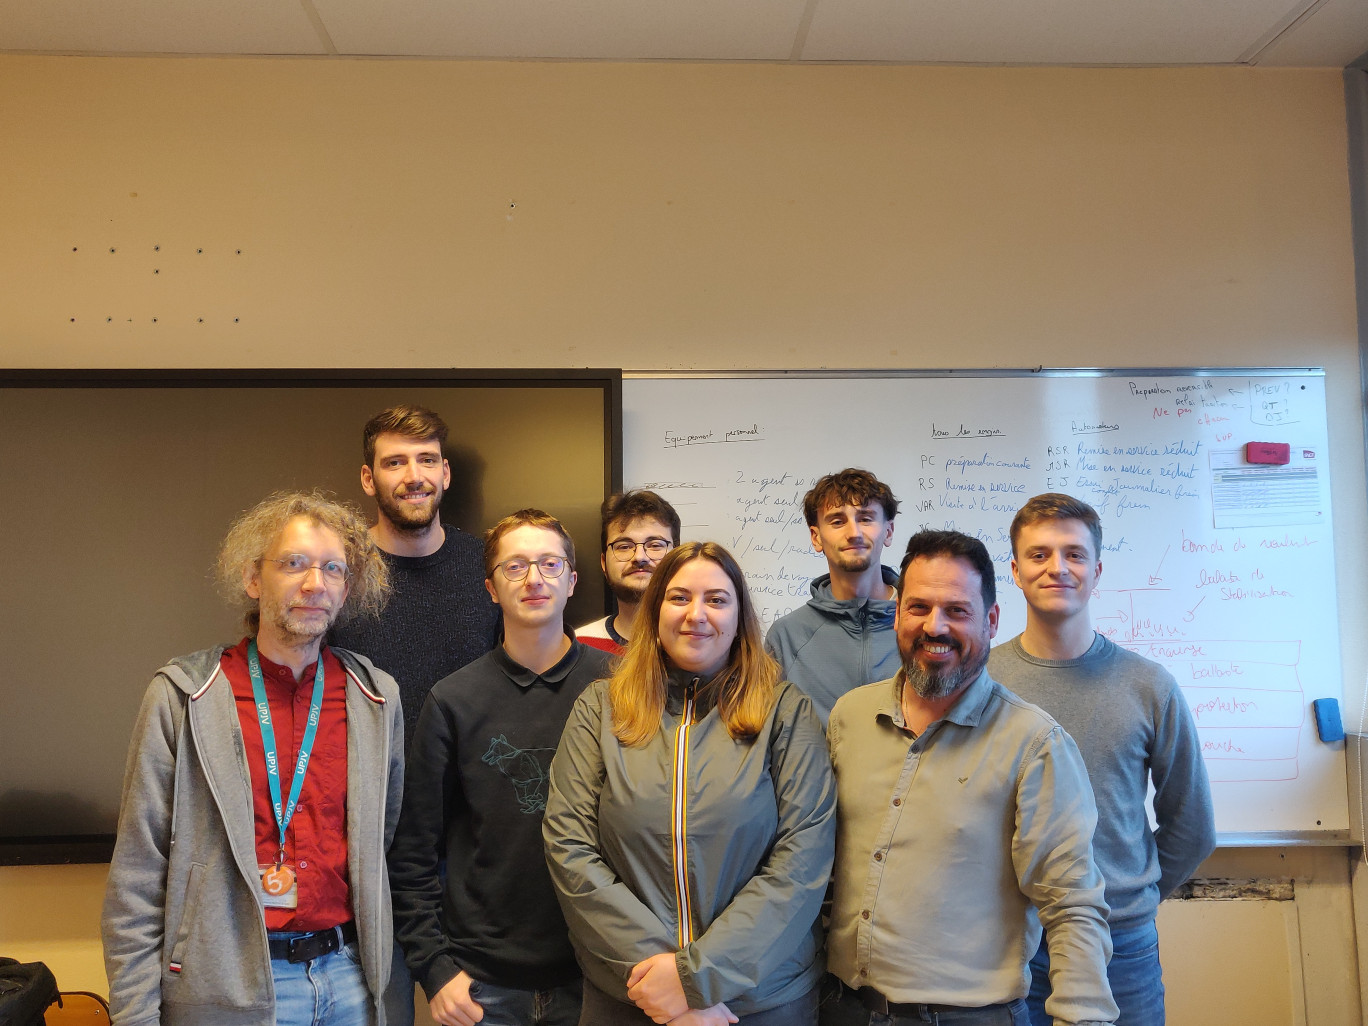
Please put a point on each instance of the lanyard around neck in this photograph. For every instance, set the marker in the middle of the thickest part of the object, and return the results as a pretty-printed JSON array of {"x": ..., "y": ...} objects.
[{"x": 268, "y": 742}]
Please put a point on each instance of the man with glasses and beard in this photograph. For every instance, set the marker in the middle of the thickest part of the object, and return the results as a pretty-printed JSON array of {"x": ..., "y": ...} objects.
[
  {"x": 486, "y": 938},
  {"x": 639, "y": 527},
  {"x": 263, "y": 785},
  {"x": 960, "y": 809}
]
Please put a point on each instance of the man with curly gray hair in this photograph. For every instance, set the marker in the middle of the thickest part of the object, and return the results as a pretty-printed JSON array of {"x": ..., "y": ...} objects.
[{"x": 262, "y": 789}]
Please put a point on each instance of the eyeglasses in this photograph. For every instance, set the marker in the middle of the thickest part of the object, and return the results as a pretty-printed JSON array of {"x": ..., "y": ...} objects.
[
  {"x": 549, "y": 567},
  {"x": 296, "y": 564},
  {"x": 624, "y": 550}
]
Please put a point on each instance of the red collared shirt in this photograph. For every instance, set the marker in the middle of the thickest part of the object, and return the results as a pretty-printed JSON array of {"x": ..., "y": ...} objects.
[{"x": 316, "y": 839}]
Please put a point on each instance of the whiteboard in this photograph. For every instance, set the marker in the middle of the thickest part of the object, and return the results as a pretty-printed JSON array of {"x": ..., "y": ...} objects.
[{"x": 1221, "y": 570}]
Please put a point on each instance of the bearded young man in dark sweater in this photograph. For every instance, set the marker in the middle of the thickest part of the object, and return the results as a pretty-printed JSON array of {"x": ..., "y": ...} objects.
[
  {"x": 437, "y": 618},
  {"x": 487, "y": 940}
]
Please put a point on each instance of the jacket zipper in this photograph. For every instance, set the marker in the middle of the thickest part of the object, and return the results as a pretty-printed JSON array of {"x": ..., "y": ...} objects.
[
  {"x": 679, "y": 819},
  {"x": 864, "y": 646}
]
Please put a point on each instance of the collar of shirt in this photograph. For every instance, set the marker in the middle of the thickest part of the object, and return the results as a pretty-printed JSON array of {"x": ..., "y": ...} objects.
[
  {"x": 612, "y": 633},
  {"x": 525, "y": 678},
  {"x": 278, "y": 672},
  {"x": 967, "y": 710},
  {"x": 437, "y": 556},
  {"x": 677, "y": 682}
]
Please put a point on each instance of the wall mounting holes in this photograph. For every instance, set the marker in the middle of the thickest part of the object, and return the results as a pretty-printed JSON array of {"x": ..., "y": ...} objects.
[
  {"x": 238, "y": 252},
  {"x": 199, "y": 251},
  {"x": 156, "y": 270},
  {"x": 73, "y": 320},
  {"x": 73, "y": 249},
  {"x": 109, "y": 320},
  {"x": 236, "y": 319},
  {"x": 154, "y": 320},
  {"x": 200, "y": 320},
  {"x": 156, "y": 249},
  {"x": 111, "y": 249}
]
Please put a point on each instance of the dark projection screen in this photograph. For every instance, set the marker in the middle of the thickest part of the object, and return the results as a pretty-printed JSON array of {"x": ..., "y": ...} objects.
[{"x": 119, "y": 487}]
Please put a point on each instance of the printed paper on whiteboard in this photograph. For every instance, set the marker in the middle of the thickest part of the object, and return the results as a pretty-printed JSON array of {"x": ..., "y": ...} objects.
[{"x": 1259, "y": 495}]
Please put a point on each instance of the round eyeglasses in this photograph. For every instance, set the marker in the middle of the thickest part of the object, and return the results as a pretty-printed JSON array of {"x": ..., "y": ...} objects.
[
  {"x": 548, "y": 566},
  {"x": 296, "y": 564},
  {"x": 624, "y": 550}
]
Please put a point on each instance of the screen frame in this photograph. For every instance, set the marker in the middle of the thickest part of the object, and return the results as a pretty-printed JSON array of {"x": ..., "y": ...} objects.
[{"x": 98, "y": 848}]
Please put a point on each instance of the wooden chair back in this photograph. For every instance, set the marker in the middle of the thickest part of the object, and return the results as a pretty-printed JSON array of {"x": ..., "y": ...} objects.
[{"x": 78, "y": 1008}]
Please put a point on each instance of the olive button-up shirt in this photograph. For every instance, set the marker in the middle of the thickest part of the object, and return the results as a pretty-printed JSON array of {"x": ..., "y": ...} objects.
[{"x": 955, "y": 847}]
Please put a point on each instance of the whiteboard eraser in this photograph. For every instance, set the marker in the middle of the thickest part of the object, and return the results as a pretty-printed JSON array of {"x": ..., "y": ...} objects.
[
  {"x": 1278, "y": 453},
  {"x": 1328, "y": 724}
]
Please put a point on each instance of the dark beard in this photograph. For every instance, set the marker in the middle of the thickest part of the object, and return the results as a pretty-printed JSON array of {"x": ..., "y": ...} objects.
[
  {"x": 624, "y": 593},
  {"x": 402, "y": 519}
]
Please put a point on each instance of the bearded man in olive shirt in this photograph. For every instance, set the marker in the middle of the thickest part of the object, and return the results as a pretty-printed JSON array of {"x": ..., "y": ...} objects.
[{"x": 964, "y": 825}]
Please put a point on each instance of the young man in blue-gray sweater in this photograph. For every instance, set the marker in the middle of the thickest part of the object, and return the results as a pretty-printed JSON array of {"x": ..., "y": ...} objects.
[
  {"x": 843, "y": 637},
  {"x": 1132, "y": 724}
]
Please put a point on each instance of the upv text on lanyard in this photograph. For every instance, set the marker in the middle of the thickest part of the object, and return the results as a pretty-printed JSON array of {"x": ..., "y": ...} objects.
[{"x": 278, "y": 879}]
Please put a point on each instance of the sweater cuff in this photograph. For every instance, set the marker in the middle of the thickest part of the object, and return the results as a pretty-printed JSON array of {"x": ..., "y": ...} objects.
[{"x": 441, "y": 971}]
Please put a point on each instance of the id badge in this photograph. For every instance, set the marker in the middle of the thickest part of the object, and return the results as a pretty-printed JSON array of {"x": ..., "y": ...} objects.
[{"x": 279, "y": 888}]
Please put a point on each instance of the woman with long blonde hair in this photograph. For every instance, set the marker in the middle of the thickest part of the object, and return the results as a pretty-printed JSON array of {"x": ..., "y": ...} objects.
[{"x": 690, "y": 823}]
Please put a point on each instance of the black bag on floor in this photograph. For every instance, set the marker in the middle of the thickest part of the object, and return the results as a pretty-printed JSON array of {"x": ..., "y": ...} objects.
[{"x": 26, "y": 990}]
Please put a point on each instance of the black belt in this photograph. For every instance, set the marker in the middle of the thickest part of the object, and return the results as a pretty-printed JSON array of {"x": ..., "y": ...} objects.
[
  {"x": 308, "y": 946},
  {"x": 877, "y": 1002}
]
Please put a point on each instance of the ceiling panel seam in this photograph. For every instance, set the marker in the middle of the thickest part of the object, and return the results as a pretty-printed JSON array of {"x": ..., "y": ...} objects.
[
  {"x": 804, "y": 25},
  {"x": 324, "y": 36},
  {"x": 1293, "y": 19}
]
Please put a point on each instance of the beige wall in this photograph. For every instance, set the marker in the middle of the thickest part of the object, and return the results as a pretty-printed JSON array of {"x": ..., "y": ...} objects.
[
  {"x": 647, "y": 215},
  {"x": 429, "y": 214},
  {"x": 52, "y": 914}
]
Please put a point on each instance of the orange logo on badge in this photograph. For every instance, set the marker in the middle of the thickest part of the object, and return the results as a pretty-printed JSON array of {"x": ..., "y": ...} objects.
[{"x": 277, "y": 880}]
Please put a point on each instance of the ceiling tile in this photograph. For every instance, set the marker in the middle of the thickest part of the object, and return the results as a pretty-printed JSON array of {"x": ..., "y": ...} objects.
[
  {"x": 158, "y": 26},
  {"x": 1041, "y": 31},
  {"x": 1331, "y": 36},
  {"x": 1123, "y": 32},
  {"x": 586, "y": 29}
]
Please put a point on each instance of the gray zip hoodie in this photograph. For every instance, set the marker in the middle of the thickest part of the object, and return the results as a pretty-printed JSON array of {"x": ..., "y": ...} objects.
[
  {"x": 830, "y": 646},
  {"x": 183, "y": 884}
]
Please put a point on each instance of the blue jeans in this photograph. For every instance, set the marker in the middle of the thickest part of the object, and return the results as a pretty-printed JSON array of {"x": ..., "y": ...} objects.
[
  {"x": 842, "y": 1007},
  {"x": 400, "y": 1000},
  {"x": 1135, "y": 975},
  {"x": 329, "y": 990},
  {"x": 509, "y": 1006}
]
